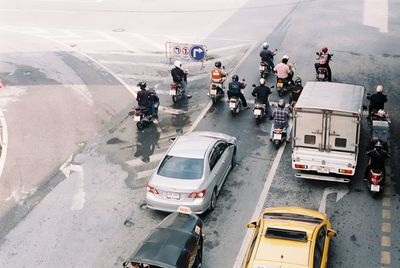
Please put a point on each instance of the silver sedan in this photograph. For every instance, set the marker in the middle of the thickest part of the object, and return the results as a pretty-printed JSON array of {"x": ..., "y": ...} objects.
[{"x": 192, "y": 172}]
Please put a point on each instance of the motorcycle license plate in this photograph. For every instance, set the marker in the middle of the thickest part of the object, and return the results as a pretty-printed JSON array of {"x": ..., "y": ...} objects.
[
  {"x": 375, "y": 188},
  {"x": 277, "y": 136},
  {"x": 279, "y": 85},
  {"x": 262, "y": 68},
  {"x": 321, "y": 76},
  {"x": 232, "y": 105},
  {"x": 172, "y": 92},
  {"x": 213, "y": 92},
  {"x": 136, "y": 118},
  {"x": 172, "y": 195},
  {"x": 257, "y": 112}
]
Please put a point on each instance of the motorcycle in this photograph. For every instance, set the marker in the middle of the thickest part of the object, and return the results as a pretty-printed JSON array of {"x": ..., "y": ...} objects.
[
  {"x": 216, "y": 92},
  {"x": 235, "y": 103},
  {"x": 176, "y": 92},
  {"x": 322, "y": 72},
  {"x": 265, "y": 68},
  {"x": 375, "y": 176},
  {"x": 142, "y": 116},
  {"x": 278, "y": 136}
]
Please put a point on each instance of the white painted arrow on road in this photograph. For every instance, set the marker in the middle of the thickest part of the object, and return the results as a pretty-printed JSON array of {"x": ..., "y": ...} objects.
[{"x": 340, "y": 191}]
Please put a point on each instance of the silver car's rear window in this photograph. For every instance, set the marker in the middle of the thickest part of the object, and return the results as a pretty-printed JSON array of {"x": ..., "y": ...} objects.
[{"x": 181, "y": 168}]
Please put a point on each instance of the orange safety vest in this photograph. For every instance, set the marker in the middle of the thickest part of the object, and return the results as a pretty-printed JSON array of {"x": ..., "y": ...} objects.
[{"x": 216, "y": 75}]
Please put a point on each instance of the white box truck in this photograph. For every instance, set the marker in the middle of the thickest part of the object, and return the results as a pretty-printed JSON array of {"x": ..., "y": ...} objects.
[{"x": 326, "y": 131}]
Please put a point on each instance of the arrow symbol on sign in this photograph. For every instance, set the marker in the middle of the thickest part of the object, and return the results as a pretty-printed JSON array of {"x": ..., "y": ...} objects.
[
  {"x": 197, "y": 50},
  {"x": 340, "y": 191}
]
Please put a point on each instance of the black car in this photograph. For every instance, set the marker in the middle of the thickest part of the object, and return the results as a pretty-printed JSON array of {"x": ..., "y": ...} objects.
[{"x": 177, "y": 242}]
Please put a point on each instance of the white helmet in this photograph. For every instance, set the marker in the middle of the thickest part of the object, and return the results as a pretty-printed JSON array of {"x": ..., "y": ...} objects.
[
  {"x": 265, "y": 45},
  {"x": 262, "y": 81},
  {"x": 285, "y": 57},
  {"x": 178, "y": 64},
  {"x": 379, "y": 88}
]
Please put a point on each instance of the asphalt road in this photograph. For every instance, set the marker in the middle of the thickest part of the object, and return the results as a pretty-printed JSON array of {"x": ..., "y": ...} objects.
[{"x": 68, "y": 93}]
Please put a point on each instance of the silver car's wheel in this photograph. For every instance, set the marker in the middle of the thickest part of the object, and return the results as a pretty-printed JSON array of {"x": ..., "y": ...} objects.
[{"x": 213, "y": 201}]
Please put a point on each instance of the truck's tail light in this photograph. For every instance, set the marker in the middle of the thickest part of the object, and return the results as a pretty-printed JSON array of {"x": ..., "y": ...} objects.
[
  {"x": 200, "y": 194},
  {"x": 300, "y": 166},
  {"x": 151, "y": 189},
  {"x": 345, "y": 171}
]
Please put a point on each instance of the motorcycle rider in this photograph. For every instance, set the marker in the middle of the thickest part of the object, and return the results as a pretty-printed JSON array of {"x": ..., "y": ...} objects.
[
  {"x": 235, "y": 89},
  {"x": 146, "y": 99},
  {"x": 283, "y": 70},
  {"x": 281, "y": 120},
  {"x": 179, "y": 77},
  {"x": 295, "y": 90},
  {"x": 218, "y": 75},
  {"x": 378, "y": 155},
  {"x": 377, "y": 100},
  {"x": 323, "y": 61},
  {"x": 261, "y": 93},
  {"x": 267, "y": 55}
]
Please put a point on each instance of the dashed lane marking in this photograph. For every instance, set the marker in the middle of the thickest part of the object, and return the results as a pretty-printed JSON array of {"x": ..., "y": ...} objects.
[{"x": 386, "y": 227}]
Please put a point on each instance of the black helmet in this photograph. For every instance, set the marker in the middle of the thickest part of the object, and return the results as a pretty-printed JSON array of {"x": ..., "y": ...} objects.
[
  {"x": 281, "y": 103},
  {"x": 235, "y": 78},
  {"x": 142, "y": 85},
  {"x": 218, "y": 64},
  {"x": 297, "y": 81},
  {"x": 378, "y": 145}
]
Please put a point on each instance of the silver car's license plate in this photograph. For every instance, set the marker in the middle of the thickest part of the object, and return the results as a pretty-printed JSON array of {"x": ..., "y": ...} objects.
[
  {"x": 375, "y": 188},
  {"x": 172, "y": 195}
]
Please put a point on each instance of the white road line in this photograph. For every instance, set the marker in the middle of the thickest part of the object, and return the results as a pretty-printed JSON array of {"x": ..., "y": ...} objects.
[
  {"x": 111, "y": 38},
  {"x": 149, "y": 41},
  {"x": 376, "y": 14},
  {"x": 78, "y": 199},
  {"x": 4, "y": 141},
  {"x": 260, "y": 205}
]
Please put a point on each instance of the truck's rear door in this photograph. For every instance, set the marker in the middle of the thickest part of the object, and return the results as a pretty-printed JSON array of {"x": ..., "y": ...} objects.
[
  {"x": 343, "y": 133},
  {"x": 309, "y": 129}
]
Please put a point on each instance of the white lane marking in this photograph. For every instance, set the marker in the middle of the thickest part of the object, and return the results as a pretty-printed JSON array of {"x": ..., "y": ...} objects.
[
  {"x": 340, "y": 191},
  {"x": 260, "y": 205},
  {"x": 376, "y": 14},
  {"x": 65, "y": 168},
  {"x": 78, "y": 200},
  {"x": 20, "y": 195},
  {"x": 123, "y": 44},
  {"x": 4, "y": 141},
  {"x": 149, "y": 41}
]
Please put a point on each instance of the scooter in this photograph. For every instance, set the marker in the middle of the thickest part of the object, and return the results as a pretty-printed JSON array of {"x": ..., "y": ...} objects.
[
  {"x": 374, "y": 179},
  {"x": 141, "y": 115},
  {"x": 235, "y": 103},
  {"x": 278, "y": 136},
  {"x": 322, "y": 72},
  {"x": 176, "y": 92},
  {"x": 259, "y": 112},
  {"x": 215, "y": 92},
  {"x": 265, "y": 68}
]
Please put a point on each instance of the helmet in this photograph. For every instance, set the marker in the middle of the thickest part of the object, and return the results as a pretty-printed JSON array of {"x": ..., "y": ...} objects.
[
  {"x": 378, "y": 145},
  {"x": 262, "y": 81},
  {"x": 324, "y": 49},
  {"x": 265, "y": 45},
  {"x": 285, "y": 57},
  {"x": 297, "y": 81},
  {"x": 235, "y": 78},
  {"x": 178, "y": 64},
  {"x": 218, "y": 64},
  {"x": 281, "y": 103},
  {"x": 142, "y": 85},
  {"x": 379, "y": 88}
]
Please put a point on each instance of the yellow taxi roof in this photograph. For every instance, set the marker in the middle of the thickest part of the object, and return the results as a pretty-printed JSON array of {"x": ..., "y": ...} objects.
[{"x": 286, "y": 252}]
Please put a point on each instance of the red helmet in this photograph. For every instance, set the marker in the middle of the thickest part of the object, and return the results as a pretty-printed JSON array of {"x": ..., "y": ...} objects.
[{"x": 325, "y": 49}]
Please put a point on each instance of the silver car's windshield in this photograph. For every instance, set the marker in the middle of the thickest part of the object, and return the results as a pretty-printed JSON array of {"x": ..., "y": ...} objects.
[{"x": 181, "y": 168}]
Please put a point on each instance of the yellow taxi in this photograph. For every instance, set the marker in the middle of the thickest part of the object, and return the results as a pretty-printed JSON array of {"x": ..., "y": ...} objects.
[{"x": 289, "y": 237}]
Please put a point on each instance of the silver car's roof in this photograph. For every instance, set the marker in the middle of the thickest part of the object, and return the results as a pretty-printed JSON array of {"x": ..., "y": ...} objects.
[
  {"x": 187, "y": 146},
  {"x": 332, "y": 96}
]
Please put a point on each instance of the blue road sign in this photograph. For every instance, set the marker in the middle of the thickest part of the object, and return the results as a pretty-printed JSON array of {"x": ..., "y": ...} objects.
[{"x": 197, "y": 53}]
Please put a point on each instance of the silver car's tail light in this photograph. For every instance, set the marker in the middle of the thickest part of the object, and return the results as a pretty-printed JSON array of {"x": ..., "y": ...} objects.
[
  {"x": 151, "y": 189},
  {"x": 200, "y": 194}
]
